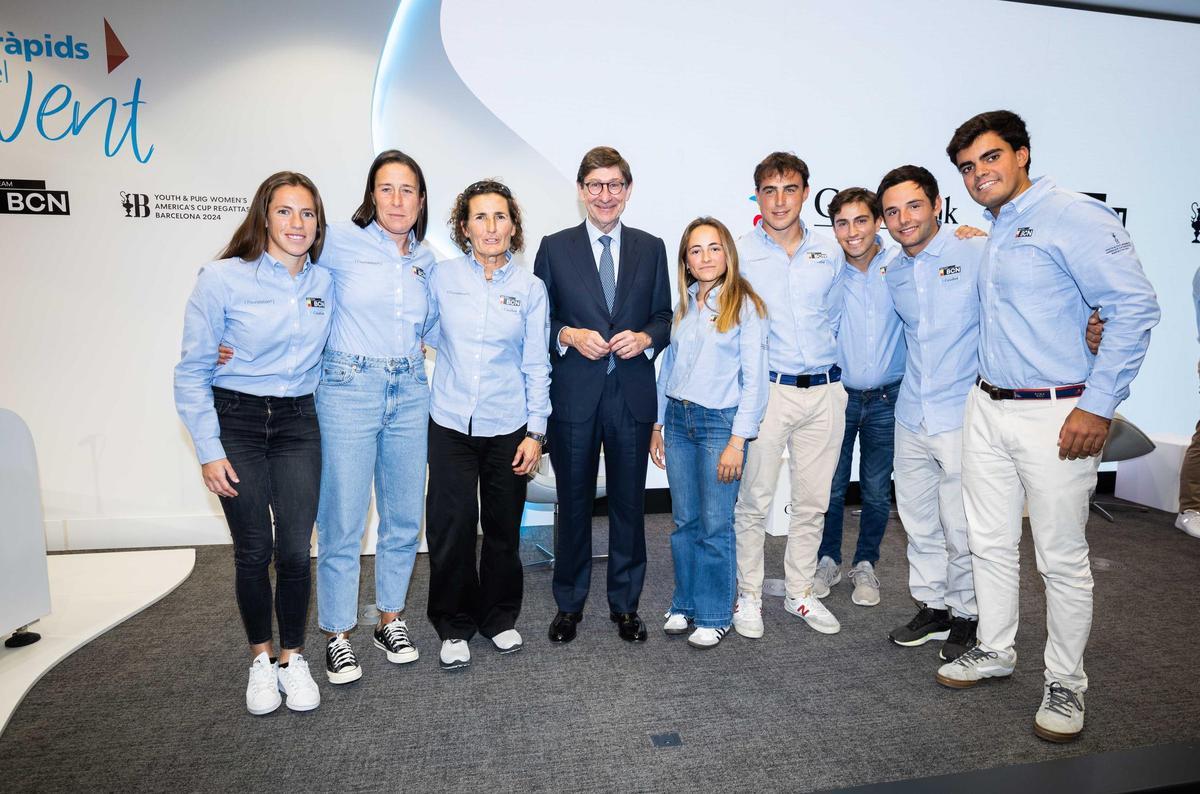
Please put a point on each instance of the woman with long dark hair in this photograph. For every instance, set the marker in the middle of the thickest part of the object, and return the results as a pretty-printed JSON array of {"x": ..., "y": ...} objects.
[
  {"x": 487, "y": 422},
  {"x": 712, "y": 390},
  {"x": 254, "y": 421},
  {"x": 373, "y": 404}
]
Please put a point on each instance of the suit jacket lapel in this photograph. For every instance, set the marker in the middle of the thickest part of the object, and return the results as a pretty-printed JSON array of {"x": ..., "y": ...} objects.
[
  {"x": 626, "y": 270},
  {"x": 585, "y": 263}
]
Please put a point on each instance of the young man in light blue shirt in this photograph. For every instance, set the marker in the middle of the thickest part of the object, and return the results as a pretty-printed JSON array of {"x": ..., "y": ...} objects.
[
  {"x": 1039, "y": 415},
  {"x": 932, "y": 283},
  {"x": 871, "y": 353},
  {"x": 799, "y": 275}
]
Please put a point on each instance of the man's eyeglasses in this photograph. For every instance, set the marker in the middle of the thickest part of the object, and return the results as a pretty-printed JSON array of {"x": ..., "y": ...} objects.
[{"x": 615, "y": 187}]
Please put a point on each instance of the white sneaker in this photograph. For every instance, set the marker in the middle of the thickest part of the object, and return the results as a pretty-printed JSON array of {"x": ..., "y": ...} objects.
[
  {"x": 974, "y": 666},
  {"x": 747, "y": 616},
  {"x": 707, "y": 638},
  {"x": 262, "y": 691},
  {"x": 506, "y": 642},
  {"x": 676, "y": 623},
  {"x": 1189, "y": 522},
  {"x": 455, "y": 654},
  {"x": 866, "y": 584},
  {"x": 297, "y": 683},
  {"x": 827, "y": 575},
  {"x": 1060, "y": 717},
  {"x": 814, "y": 613}
]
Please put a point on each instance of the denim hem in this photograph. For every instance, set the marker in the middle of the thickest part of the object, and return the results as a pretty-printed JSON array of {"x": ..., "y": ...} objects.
[
  {"x": 714, "y": 623},
  {"x": 399, "y": 610},
  {"x": 346, "y": 630},
  {"x": 687, "y": 613}
]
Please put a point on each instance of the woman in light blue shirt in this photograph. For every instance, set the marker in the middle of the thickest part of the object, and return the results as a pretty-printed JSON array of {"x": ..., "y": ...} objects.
[
  {"x": 254, "y": 422},
  {"x": 712, "y": 391},
  {"x": 487, "y": 422}
]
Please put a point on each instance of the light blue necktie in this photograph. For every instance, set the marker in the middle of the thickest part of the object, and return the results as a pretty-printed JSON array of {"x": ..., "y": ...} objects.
[{"x": 608, "y": 283}]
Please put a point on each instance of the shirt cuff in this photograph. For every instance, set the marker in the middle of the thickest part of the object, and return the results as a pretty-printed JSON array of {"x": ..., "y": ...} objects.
[
  {"x": 562, "y": 349},
  {"x": 650, "y": 353},
  {"x": 744, "y": 428},
  {"x": 536, "y": 424},
  {"x": 1097, "y": 402},
  {"x": 209, "y": 449}
]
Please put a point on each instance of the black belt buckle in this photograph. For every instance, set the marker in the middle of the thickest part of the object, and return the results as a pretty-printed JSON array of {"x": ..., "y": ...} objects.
[{"x": 803, "y": 381}]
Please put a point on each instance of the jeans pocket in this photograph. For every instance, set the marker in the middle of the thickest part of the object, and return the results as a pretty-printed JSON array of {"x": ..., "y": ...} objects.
[
  {"x": 336, "y": 374},
  {"x": 419, "y": 374},
  {"x": 225, "y": 405}
]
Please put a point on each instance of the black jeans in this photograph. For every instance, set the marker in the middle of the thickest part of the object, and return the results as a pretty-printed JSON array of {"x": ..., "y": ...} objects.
[
  {"x": 461, "y": 600},
  {"x": 274, "y": 445}
]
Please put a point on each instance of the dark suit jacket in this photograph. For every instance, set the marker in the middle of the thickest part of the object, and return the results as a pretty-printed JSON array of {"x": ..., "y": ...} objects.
[{"x": 643, "y": 303}]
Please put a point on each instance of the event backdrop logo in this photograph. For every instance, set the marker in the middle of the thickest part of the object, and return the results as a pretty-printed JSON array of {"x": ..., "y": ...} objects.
[
  {"x": 1122, "y": 212},
  {"x": 1195, "y": 222},
  {"x": 30, "y": 197},
  {"x": 825, "y": 195},
  {"x": 58, "y": 113}
]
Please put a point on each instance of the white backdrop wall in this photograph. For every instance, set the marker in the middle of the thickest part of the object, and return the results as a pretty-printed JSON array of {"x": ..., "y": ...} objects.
[{"x": 693, "y": 93}]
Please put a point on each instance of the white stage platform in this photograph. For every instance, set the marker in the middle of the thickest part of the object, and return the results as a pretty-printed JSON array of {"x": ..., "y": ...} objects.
[{"x": 89, "y": 594}]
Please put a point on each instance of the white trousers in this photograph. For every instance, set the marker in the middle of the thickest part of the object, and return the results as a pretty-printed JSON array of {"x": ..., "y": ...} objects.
[
  {"x": 1010, "y": 455},
  {"x": 810, "y": 423},
  {"x": 929, "y": 498}
]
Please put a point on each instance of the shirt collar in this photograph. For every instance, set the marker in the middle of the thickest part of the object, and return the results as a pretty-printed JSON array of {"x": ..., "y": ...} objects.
[
  {"x": 694, "y": 291},
  {"x": 595, "y": 234},
  {"x": 273, "y": 262},
  {"x": 499, "y": 274},
  {"x": 383, "y": 236},
  {"x": 935, "y": 246},
  {"x": 1032, "y": 195},
  {"x": 761, "y": 228}
]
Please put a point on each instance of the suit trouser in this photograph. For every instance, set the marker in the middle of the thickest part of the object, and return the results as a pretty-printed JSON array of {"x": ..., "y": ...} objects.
[
  {"x": 575, "y": 455},
  {"x": 1010, "y": 455},
  {"x": 929, "y": 499},
  {"x": 1189, "y": 475},
  {"x": 810, "y": 423}
]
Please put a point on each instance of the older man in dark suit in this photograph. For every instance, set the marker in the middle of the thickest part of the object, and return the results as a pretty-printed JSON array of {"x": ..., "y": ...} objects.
[{"x": 610, "y": 314}]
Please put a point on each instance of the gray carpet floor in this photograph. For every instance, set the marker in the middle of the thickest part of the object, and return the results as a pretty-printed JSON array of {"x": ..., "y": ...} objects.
[{"x": 157, "y": 703}]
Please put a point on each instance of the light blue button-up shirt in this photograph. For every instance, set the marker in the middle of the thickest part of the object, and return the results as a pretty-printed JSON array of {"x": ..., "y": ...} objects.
[
  {"x": 870, "y": 343},
  {"x": 383, "y": 296},
  {"x": 277, "y": 325},
  {"x": 492, "y": 372},
  {"x": 935, "y": 294},
  {"x": 803, "y": 294},
  {"x": 717, "y": 370},
  {"x": 1052, "y": 257}
]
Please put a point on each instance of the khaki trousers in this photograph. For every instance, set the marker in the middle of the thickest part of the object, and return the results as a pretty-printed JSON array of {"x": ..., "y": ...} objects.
[{"x": 810, "y": 423}]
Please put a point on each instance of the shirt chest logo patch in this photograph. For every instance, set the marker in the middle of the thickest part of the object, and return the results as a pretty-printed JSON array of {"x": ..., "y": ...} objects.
[
  {"x": 509, "y": 300},
  {"x": 950, "y": 270},
  {"x": 418, "y": 272},
  {"x": 883, "y": 269},
  {"x": 814, "y": 255},
  {"x": 1024, "y": 231},
  {"x": 314, "y": 303},
  {"x": 260, "y": 302}
]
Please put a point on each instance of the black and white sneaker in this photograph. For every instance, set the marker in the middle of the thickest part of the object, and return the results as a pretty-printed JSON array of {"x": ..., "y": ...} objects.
[
  {"x": 393, "y": 638},
  {"x": 961, "y": 638},
  {"x": 928, "y": 624},
  {"x": 341, "y": 665}
]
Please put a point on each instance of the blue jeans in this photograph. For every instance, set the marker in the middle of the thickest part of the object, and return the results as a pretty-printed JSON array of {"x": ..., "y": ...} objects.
[
  {"x": 871, "y": 415},
  {"x": 374, "y": 416},
  {"x": 703, "y": 544}
]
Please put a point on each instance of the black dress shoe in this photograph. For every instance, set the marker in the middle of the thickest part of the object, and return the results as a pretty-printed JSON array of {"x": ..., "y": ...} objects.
[
  {"x": 629, "y": 626},
  {"x": 562, "y": 628}
]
